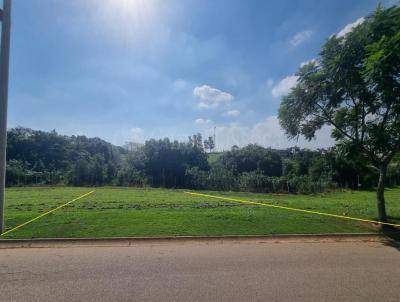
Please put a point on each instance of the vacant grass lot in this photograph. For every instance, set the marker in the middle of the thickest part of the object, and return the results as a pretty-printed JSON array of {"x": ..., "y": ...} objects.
[{"x": 158, "y": 212}]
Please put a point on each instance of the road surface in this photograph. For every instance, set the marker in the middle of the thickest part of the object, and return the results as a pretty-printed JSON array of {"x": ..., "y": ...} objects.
[{"x": 203, "y": 271}]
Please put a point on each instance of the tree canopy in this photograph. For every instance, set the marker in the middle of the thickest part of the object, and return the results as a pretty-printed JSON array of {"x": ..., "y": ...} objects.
[{"x": 353, "y": 86}]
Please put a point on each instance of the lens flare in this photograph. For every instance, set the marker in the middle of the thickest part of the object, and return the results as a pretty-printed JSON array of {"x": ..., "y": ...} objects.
[{"x": 129, "y": 19}]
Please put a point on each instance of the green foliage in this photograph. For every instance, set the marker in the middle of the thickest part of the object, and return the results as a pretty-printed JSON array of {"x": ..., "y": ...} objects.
[
  {"x": 129, "y": 176},
  {"x": 306, "y": 185},
  {"x": 354, "y": 87},
  {"x": 217, "y": 178},
  {"x": 256, "y": 181},
  {"x": 209, "y": 143},
  {"x": 38, "y": 157},
  {"x": 15, "y": 172},
  {"x": 251, "y": 158},
  {"x": 165, "y": 163},
  {"x": 196, "y": 179},
  {"x": 196, "y": 141},
  {"x": 221, "y": 178}
]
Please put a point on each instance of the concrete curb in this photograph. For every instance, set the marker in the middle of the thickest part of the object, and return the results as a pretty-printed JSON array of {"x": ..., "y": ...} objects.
[{"x": 131, "y": 241}]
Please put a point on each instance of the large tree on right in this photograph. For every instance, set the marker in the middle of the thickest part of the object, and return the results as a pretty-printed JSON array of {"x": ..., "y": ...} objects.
[{"x": 353, "y": 86}]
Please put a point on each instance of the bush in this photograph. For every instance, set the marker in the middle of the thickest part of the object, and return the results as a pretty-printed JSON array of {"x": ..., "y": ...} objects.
[
  {"x": 305, "y": 185},
  {"x": 221, "y": 178},
  {"x": 15, "y": 172},
  {"x": 196, "y": 179},
  {"x": 131, "y": 177},
  {"x": 253, "y": 181},
  {"x": 218, "y": 178}
]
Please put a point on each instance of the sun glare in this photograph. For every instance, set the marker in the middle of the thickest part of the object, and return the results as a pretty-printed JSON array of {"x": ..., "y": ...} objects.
[
  {"x": 138, "y": 9},
  {"x": 130, "y": 18}
]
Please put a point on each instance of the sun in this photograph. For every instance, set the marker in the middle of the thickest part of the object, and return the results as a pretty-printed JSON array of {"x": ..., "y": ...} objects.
[
  {"x": 133, "y": 11},
  {"x": 129, "y": 18}
]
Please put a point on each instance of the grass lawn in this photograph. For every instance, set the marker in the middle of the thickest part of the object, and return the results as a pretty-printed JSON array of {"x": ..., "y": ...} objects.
[
  {"x": 114, "y": 211},
  {"x": 214, "y": 156}
]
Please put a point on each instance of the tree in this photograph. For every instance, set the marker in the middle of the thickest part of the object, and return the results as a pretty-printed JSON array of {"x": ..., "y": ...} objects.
[
  {"x": 353, "y": 87},
  {"x": 251, "y": 158},
  {"x": 196, "y": 141},
  {"x": 209, "y": 144},
  {"x": 166, "y": 162}
]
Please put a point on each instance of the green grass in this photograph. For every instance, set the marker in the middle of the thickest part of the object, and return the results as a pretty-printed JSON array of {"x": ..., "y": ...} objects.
[
  {"x": 157, "y": 212},
  {"x": 214, "y": 156}
]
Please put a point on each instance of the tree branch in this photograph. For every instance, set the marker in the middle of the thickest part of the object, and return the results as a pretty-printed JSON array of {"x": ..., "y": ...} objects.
[{"x": 329, "y": 120}]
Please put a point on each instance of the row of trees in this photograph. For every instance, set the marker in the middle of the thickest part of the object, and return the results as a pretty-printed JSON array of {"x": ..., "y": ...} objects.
[{"x": 38, "y": 157}]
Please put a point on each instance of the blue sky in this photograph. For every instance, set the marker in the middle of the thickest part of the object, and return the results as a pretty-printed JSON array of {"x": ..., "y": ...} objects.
[{"x": 128, "y": 70}]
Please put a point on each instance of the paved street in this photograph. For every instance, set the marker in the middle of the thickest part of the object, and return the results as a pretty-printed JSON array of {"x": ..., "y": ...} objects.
[{"x": 203, "y": 271}]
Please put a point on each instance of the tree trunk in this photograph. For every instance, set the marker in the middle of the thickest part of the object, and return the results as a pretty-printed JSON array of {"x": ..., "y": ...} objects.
[{"x": 380, "y": 194}]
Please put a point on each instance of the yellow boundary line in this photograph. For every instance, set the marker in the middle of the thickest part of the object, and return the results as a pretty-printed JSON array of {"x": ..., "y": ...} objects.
[
  {"x": 44, "y": 214},
  {"x": 291, "y": 209}
]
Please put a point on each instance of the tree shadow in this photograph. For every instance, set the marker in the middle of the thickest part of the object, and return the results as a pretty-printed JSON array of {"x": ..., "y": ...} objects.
[{"x": 392, "y": 236}]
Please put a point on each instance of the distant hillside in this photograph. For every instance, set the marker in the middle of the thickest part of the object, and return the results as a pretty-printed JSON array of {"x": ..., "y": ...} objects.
[
  {"x": 214, "y": 156},
  {"x": 35, "y": 156}
]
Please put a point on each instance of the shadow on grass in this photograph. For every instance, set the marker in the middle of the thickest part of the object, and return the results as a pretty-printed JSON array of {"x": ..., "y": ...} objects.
[{"x": 392, "y": 235}]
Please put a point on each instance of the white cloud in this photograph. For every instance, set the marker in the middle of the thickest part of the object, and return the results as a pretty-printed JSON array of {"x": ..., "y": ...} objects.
[
  {"x": 267, "y": 133},
  {"x": 284, "y": 86},
  {"x": 349, "y": 27},
  {"x": 211, "y": 97},
  {"x": 201, "y": 121},
  {"x": 269, "y": 83},
  {"x": 232, "y": 113},
  {"x": 300, "y": 37}
]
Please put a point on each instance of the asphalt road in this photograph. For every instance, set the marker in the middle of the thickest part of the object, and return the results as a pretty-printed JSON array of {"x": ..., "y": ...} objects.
[{"x": 203, "y": 271}]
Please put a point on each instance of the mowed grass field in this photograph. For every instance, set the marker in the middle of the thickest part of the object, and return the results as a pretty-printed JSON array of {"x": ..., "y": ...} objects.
[{"x": 114, "y": 211}]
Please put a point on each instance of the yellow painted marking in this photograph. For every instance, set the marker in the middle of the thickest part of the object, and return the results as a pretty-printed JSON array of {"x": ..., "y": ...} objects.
[
  {"x": 44, "y": 214},
  {"x": 291, "y": 209}
]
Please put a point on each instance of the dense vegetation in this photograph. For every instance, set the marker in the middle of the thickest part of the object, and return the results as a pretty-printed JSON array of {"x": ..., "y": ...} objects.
[{"x": 38, "y": 157}]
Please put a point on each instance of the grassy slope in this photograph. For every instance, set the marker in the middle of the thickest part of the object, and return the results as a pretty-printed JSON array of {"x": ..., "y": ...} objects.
[
  {"x": 158, "y": 212},
  {"x": 214, "y": 156}
]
